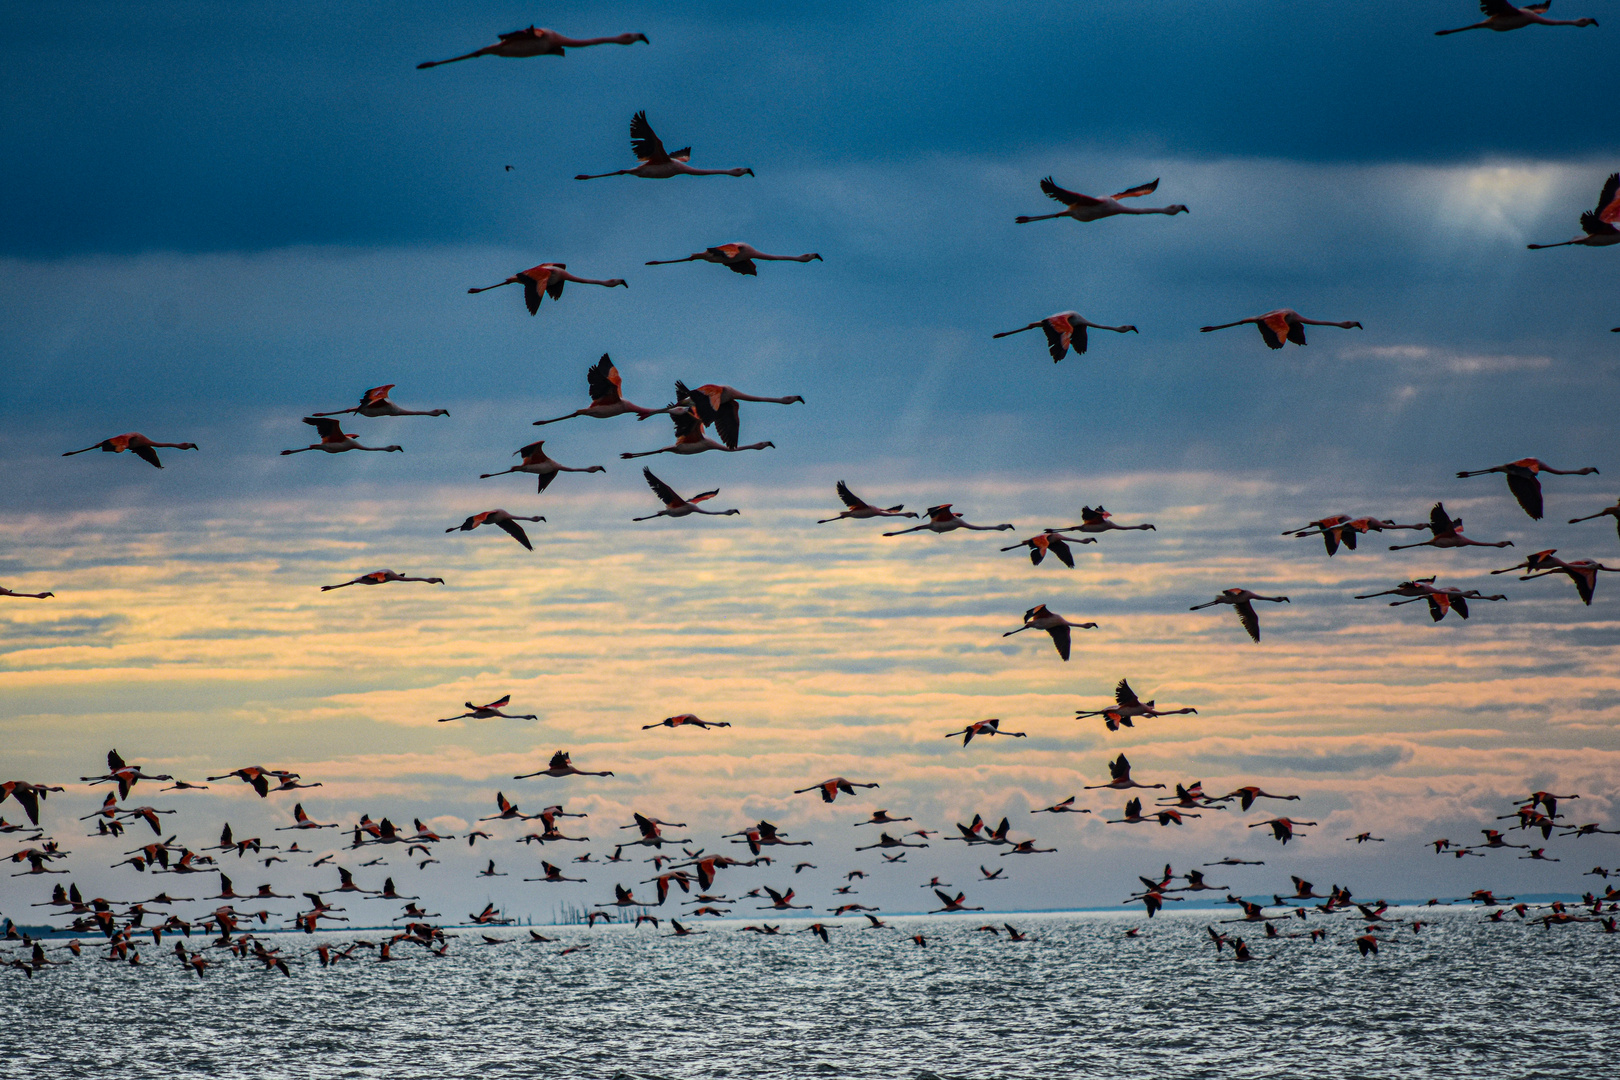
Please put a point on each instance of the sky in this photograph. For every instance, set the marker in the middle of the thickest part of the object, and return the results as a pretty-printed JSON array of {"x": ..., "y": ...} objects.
[{"x": 214, "y": 221}]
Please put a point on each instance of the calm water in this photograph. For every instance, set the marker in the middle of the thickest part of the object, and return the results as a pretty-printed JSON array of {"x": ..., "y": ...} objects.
[{"x": 1464, "y": 998}]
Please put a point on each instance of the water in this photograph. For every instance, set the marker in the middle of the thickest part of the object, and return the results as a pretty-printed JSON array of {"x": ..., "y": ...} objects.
[{"x": 1464, "y": 997}]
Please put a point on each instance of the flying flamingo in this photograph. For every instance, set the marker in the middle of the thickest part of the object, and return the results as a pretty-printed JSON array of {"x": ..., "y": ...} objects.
[
  {"x": 1447, "y": 533},
  {"x": 859, "y": 508},
  {"x": 1040, "y": 617},
  {"x": 1054, "y": 541},
  {"x": 1583, "y": 572},
  {"x": 1440, "y": 600},
  {"x": 379, "y": 577},
  {"x": 561, "y": 765},
  {"x": 1284, "y": 324},
  {"x": 952, "y": 905},
  {"x": 1065, "y": 807},
  {"x": 135, "y": 443},
  {"x": 885, "y": 841},
  {"x": 1128, "y": 706},
  {"x": 1607, "y": 511},
  {"x": 986, "y": 728},
  {"x": 941, "y": 519},
  {"x": 1246, "y": 797},
  {"x": 1065, "y": 330},
  {"x": 1120, "y": 772},
  {"x": 738, "y": 258},
  {"x": 1100, "y": 521},
  {"x": 1339, "y": 529},
  {"x": 1242, "y": 602},
  {"x": 829, "y": 789},
  {"x": 1501, "y": 15},
  {"x": 536, "y": 462},
  {"x": 334, "y": 440},
  {"x": 717, "y": 405},
  {"x": 686, "y": 720},
  {"x": 1091, "y": 208},
  {"x": 656, "y": 162},
  {"x": 879, "y": 817},
  {"x": 547, "y": 279},
  {"x": 508, "y": 523},
  {"x": 690, "y": 438},
  {"x": 536, "y": 41},
  {"x": 487, "y": 712},
  {"x": 676, "y": 506},
  {"x": 374, "y": 402},
  {"x": 25, "y": 595},
  {"x": 606, "y": 400},
  {"x": 1523, "y": 482},
  {"x": 1597, "y": 226},
  {"x": 1282, "y": 828}
]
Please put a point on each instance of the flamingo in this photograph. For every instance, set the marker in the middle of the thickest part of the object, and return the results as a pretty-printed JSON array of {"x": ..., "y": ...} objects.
[
  {"x": 886, "y": 842},
  {"x": 686, "y": 720},
  {"x": 507, "y": 523},
  {"x": 1339, "y": 529},
  {"x": 941, "y": 519},
  {"x": 302, "y": 820},
  {"x": 1127, "y": 706},
  {"x": 717, "y": 405},
  {"x": 1440, "y": 600},
  {"x": 379, "y": 577},
  {"x": 486, "y": 712},
  {"x": 561, "y": 765},
  {"x": 690, "y": 438},
  {"x": 1246, "y": 797},
  {"x": 1092, "y": 208},
  {"x": 123, "y": 774},
  {"x": 1065, "y": 330},
  {"x": 1065, "y": 807},
  {"x": 676, "y": 506},
  {"x": 859, "y": 508},
  {"x": 1040, "y": 617},
  {"x": 738, "y": 258},
  {"x": 606, "y": 400},
  {"x": 544, "y": 469},
  {"x": 1597, "y": 225},
  {"x": 1583, "y": 572},
  {"x": 1501, "y": 15},
  {"x": 334, "y": 440},
  {"x": 829, "y": 789},
  {"x": 986, "y": 728},
  {"x": 1054, "y": 541},
  {"x": 1242, "y": 601},
  {"x": 1523, "y": 482},
  {"x": 1447, "y": 533},
  {"x": 1607, "y": 511},
  {"x": 1120, "y": 772},
  {"x": 547, "y": 279},
  {"x": 879, "y": 817},
  {"x": 1282, "y": 828},
  {"x": 25, "y": 595},
  {"x": 374, "y": 402},
  {"x": 536, "y": 41},
  {"x": 1284, "y": 324},
  {"x": 1100, "y": 521},
  {"x": 656, "y": 162},
  {"x": 952, "y": 905},
  {"x": 135, "y": 443},
  {"x": 1027, "y": 847}
]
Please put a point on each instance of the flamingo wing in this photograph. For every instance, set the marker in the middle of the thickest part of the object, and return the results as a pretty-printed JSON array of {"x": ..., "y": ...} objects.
[
  {"x": 1124, "y": 695},
  {"x": 1527, "y": 489},
  {"x": 728, "y": 424},
  {"x": 851, "y": 500},
  {"x": 644, "y": 142},
  {"x": 1139, "y": 190},
  {"x": 1439, "y": 521},
  {"x": 1608, "y": 207},
  {"x": 1060, "y": 638},
  {"x": 1058, "y": 337},
  {"x": 147, "y": 454},
  {"x": 1437, "y": 606},
  {"x": 604, "y": 382},
  {"x": 1274, "y": 329},
  {"x": 1246, "y": 616},
  {"x": 1296, "y": 333},
  {"x": 531, "y": 293},
  {"x": 515, "y": 531},
  {"x": 375, "y": 394},
  {"x": 1061, "y": 550},
  {"x": 1065, "y": 196},
  {"x": 687, "y": 425},
  {"x": 324, "y": 426},
  {"x": 665, "y": 493}
]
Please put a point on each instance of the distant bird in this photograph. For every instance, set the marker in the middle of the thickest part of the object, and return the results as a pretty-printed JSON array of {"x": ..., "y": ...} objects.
[
  {"x": 1127, "y": 706},
  {"x": 675, "y": 505},
  {"x": 1065, "y": 807},
  {"x": 1092, "y": 208},
  {"x": 487, "y": 712},
  {"x": 507, "y": 523},
  {"x": 1583, "y": 572},
  {"x": 1119, "y": 770},
  {"x": 687, "y": 720},
  {"x": 1065, "y": 330},
  {"x": 656, "y": 162},
  {"x": 135, "y": 443},
  {"x": 1242, "y": 602},
  {"x": 1523, "y": 482},
  {"x": 1054, "y": 541},
  {"x": 690, "y": 438},
  {"x": 374, "y": 402},
  {"x": 379, "y": 577},
  {"x": 561, "y": 765},
  {"x": 535, "y": 41},
  {"x": 1447, "y": 533},
  {"x": 604, "y": 383},
  {"x": 829, "y": 789},
  {"x": 334, "y": 440},
  {"x": 1597, "y": 225},
  {"x": 738, "y": 258},
  {"x": 860, "y": 509},
  {"x": 942, "y": 519},
  {"x": 879, "y": 817},
  {"x": 1040, "y": 617},
  {"x": 539, "y": 465},
  {"x": 717, "y": 405},
  {"x": 25, "y": 595},
  {"x": 1284, "y": 324},
  {"x": 1501, "y": 15},
  {"x": 1365, "y": 837},
  {"x": 1101, "y": 521},
  {"x": 986, "y": 728},
  {"x": 547, "y": 279},
  {"x": 950, "y": 904},
  {"x": 1607, "y": 511}
]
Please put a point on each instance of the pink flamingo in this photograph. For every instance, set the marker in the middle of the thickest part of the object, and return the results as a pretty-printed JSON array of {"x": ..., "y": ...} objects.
[
  {"x": 738, "y": 258},
  {"x": 606, "y": 400},
  {"x": 542, "y": 467},
  {"x": 656, "y": 162},
  {"x": 536, "y": 41},
  {"x": 374, "y": 402},
  {"x": 507, "y": 523},
  {"x": 1092, "y": 208},
  {"x": 1500, "y": 16},
  {"x": 135, "y": 443},
  {"x": 1284, "y": 324},
  {"x": 547, "y": 279},
  {"x": 334, "y": 440},
  {"x": 1066, "y": 330}
]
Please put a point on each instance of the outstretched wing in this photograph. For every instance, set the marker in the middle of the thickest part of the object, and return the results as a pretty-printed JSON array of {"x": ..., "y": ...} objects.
[
  {"x": 686, "y": 425},
  {"x": 665, "y": 493},
  {"x": 1246, "y": 616},
  {"x": 604, "y": 382},
  {"x": 728, "y": 424},
  {"x": 1139, "y": 190},
  {"x": 515, "y": 531},
  {"x": 1526, "y": 489},
  {"x": 1608, "y": 206},
  {"x": 1060, "y": 638},
  {"x": 1124, "y": 695},
  {"x": 854, "y": 503},
  {"x": 1274, "y": 329},
  {"x": 701, "y": 402},
  {"x": 1057, "y": 340},
  {"x": 1065, "y": 196},
  {"x": 644, "y": 142},
  {"x": 375, "y": 394},
  {"x": 1061, "y": 550},
  {"x": 1439, "y": 520},
  {"x": 1494, "y": 9},
  {"x": 325, "y": 426}
]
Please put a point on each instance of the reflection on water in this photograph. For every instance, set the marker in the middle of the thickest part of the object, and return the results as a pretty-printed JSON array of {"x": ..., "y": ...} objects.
[{"x": 1463, "y": 998}]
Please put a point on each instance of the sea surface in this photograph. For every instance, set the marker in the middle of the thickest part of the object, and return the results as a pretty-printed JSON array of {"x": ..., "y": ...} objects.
[{"x": 1463, "y": 998}]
